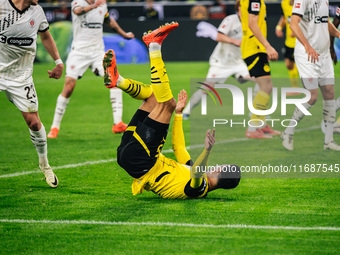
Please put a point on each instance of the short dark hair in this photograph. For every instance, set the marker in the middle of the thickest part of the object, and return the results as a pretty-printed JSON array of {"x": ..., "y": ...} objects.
[
  {"x": 237, "y": 5},
  {"x": 229, "y": 179}
]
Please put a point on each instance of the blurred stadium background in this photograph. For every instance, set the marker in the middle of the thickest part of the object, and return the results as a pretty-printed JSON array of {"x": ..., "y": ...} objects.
[{"x": 137, "y": 16}]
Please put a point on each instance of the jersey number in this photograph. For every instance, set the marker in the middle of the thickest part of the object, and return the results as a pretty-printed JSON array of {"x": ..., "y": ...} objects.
[{"x": 30, "y": 89}]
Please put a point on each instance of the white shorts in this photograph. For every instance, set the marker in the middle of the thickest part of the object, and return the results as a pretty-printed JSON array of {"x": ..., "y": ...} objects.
[
  {"x": 221, "y": 74},
  {"x": 314, "y": 75},
  {"x": 22, "y": 94},
  {"x": 77, "y": 63}
]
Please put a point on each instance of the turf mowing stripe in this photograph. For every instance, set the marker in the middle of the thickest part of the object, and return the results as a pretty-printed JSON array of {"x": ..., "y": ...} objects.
[
  {"x": 162, "y": 224},
  {"x": 115, "y": 159}
]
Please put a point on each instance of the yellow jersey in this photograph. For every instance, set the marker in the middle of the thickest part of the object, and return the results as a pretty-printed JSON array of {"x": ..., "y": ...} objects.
[
  {"x": 168, "y": 179},
  {"x": 287, "y": 13},
  {"x": 250, "y": 45}
]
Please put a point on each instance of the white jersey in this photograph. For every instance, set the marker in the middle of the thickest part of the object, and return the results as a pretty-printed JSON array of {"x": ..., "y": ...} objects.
[
  {"x": 18, "y": 36},
  {"x": 88, "y": 27},
  {"x": 227, "y": 53},
  {"x": 314, "y": 24}
]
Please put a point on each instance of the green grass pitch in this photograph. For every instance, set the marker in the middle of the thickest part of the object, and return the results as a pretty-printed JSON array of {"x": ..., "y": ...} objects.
[{"x": 145, "y": 224}]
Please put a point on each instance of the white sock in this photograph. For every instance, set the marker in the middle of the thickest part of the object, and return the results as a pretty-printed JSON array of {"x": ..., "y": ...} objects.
[
  {"x": 154, "y": 47},
  {"x": 329, "y": 119},
  {"x": 337, "y": 104},
  {"x": 39, "y": 141},
  {"x": 116, "y": 96},
  {"x": 297, "y": 116},
  {"x": 59, "y": 111}
]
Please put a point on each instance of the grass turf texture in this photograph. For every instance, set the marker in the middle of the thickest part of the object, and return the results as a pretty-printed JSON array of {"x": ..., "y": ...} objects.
[{"x": 102, "y": 192}]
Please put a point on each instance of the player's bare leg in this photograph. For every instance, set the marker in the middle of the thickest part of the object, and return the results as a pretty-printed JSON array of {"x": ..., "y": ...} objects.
[
  {"x": 39, "y": 140},
  {"x": 62, "y": 102}
]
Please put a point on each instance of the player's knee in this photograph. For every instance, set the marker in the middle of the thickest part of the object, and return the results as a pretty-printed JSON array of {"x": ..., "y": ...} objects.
[
  {"x": 33, "y": 124},
  {"x": 229, "y": 178}
]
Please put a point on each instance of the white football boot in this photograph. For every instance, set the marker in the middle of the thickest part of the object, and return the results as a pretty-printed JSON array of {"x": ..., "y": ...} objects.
[
  {"x": 50, "y": 177},
  {"x": 287, "y": 141},
  {"x": 331, "y": 146}
]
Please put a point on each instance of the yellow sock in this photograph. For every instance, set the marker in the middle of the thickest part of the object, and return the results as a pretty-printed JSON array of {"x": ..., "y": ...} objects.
[
  {"x": 159, "y": 78},
  {"x": 261, "y": 101},
  {"x": 135, "y": 89},
  {"x": 294, "y": 77}
]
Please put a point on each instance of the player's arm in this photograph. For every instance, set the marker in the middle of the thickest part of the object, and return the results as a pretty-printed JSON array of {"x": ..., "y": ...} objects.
[
  {"x": 280, "y": 25},
  {"x": 80, "y": 10},
  {"x": 202, "y": 160},
  {"x": 178, "y": 141},
  {"x": 313, "y": 56},
  {"x": 111, "y": 23},
  {"x": 51, "y": 48},
  {"x": 254, "y": 27},
  {"x": 331, "y": 27},
  {"x": 226, "y": 39}
]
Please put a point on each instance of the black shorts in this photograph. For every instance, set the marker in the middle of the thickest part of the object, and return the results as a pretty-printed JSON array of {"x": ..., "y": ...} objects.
[
  {"x": 141, "y": 143},
  {"x": 288, "y": 53},
  {"x": 258, "y": 65}
]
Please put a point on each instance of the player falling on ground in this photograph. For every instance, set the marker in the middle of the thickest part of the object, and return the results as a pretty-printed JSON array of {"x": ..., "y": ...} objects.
[
  {"x": 287, "y": 7},
  {"x": 21, "y": 21},
  {"x": 87, "y": 51},
  {"x": 140, "y": 150},
  {"x": 226, "y": 59},
  {"x": 310, "y": 20},
  {"x": 336, "y": 23},
  {"x": 256, "y": 52}
]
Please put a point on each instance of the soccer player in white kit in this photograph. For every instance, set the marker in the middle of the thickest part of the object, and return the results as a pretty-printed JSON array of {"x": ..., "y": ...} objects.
[
  {"x": 87, "y": 51},
  {"x": 310, "y": 20},
  {"x": 226, "y": 59},
  {"x": 20, "y": 23}
]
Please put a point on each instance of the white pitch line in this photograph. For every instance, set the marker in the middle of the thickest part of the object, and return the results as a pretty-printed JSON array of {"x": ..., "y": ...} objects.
[
  {"x": 161, "y": 224},
  {"x": 115, "y": 159}
]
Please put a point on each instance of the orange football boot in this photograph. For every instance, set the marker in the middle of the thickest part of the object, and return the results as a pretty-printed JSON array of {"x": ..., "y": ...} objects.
[
  {"x": 53, "y": 133},
  {"x": 119, "y": 128},
  {"x": 257, "y": 134},
  {"x": 269, "y": 131},
  {"x": 158, "y": 35},
  {"x": 111, "y": 74}
]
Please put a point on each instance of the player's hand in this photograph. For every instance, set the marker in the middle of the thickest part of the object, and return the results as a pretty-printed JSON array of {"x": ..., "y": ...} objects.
[
  {"x": 272, "y": 53},
  {"x": 181, "y": 102},
  {"x": 210, "y": 139},
  {"x": 313, "y": 56},
  {"x": 57, "y": 72},
  {"x": 279, "y": 33},
  {"x": 129, "y": 36},
  {"x": 237, "y": 42},
  {"x": 99, "y": 3},
  {"x": 333, "y": 56}
]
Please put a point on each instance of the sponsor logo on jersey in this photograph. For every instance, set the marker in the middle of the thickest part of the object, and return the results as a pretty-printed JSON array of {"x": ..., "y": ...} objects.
[
  {"x": 297, "y": 5},
  {"x": 31, "y": 23},
  {"x": 84, "y": 24},
  {"x": 255, "y": 6},
  {"x": 20, "y": 41},
  {"x": 320, "y": 19},
  {"x": 338, "y": 11}
]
